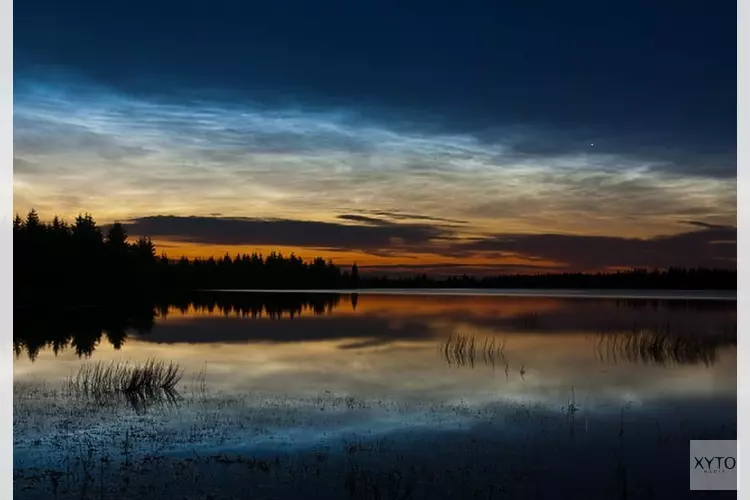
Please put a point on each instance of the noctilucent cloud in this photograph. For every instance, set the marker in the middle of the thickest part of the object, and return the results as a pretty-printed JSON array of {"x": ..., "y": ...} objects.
[{"x": 471, "y": 137}]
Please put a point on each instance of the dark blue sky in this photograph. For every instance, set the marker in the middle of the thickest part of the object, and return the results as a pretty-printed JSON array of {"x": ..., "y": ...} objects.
[
  {"x": 653, "y": 75},
  {"x": 612, "y": 119}
]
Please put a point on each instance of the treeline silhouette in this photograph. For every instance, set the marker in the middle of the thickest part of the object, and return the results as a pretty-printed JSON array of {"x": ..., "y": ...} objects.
[
  {"x": 634, "y": 279},
  {"x": 274, "y": 271},
  {"x": 58, "y": 262},
  {"x": 728, "y": 306},
  {"x": 79, "y": 263}
]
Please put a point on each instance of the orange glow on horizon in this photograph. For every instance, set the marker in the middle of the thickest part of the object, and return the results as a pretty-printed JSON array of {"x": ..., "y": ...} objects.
[{"x": 176, "y": 250}]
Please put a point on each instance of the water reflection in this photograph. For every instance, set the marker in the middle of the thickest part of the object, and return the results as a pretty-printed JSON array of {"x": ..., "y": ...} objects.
[
  {"x": 83, "y": 328},
  {"x": 372, "y": 320},
  {"x": 292, "y": 372},
  {"x": 254, "y": 305},
  {"x": 79, "y": 329},
  {"x": 405, "y": 346}
]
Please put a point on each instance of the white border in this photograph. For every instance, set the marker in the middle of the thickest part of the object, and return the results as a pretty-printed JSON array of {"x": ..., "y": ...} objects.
[
  {"x": 743, "y": 243},
  {"x": 6, "y": 248}
]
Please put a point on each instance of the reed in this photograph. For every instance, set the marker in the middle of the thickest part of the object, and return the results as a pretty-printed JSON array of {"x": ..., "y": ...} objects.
[
  {"x": 660, "y": 346},
  {"x": 104, "y": 378},
  {"x": 463, "y": 350}
]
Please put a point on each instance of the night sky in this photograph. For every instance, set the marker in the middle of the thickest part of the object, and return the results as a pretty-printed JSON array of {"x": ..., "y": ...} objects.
[{"x": 442, "y": 136}]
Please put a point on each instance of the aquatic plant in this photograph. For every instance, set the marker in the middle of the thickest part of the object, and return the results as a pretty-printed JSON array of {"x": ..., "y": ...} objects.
[
  {"x": 463, "y": 350},
  {"x": 661, "y": 346},
  {"x": 102, "y": 378}
]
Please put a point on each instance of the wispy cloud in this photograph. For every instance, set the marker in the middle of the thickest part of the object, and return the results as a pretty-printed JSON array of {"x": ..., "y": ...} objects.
[
  {"x": 410, "y": 216},
  {"x": 81, "y": 147}
]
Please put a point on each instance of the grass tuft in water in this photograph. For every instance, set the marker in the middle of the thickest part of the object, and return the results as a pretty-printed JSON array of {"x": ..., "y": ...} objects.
[
  {"x": 102, "y": 378},
  {"x": 462, "y": 350},
  {"x": 662, "y": 347}
]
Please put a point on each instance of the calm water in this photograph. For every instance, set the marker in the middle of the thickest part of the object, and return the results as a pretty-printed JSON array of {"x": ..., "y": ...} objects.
[{"x": 491, "y": 379}]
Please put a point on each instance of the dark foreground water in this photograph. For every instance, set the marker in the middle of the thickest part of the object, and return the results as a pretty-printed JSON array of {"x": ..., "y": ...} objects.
[{"x": 378, "y": 396}]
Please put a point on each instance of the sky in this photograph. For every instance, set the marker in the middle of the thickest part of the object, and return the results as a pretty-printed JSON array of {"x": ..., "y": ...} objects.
[{"x": 440, "y": 137}]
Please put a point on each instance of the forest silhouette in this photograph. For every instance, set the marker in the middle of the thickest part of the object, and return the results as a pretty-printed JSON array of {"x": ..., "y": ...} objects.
[{"x": 56, "y": 263}]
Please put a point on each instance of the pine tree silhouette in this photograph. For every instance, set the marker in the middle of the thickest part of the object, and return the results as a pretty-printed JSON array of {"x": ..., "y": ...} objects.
[
  {"x": 354, "y": 279},
  {"x": 59, "y": 263}
]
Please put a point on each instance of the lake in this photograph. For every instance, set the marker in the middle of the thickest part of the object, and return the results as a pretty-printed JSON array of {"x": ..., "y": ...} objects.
[{"x": 379, "y": 395}]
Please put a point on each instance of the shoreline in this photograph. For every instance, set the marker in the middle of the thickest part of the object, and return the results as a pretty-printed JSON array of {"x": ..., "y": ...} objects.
[{"x": 720, "y": 295}]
